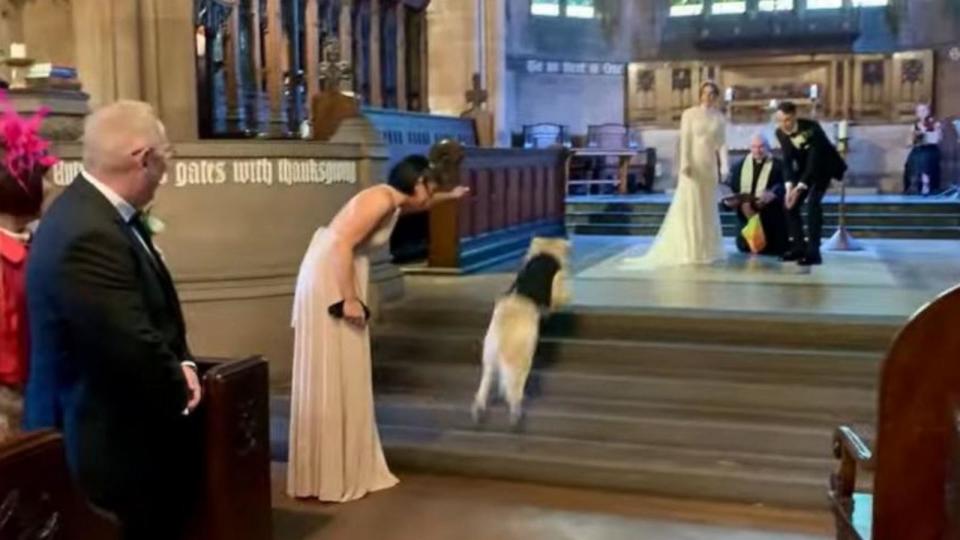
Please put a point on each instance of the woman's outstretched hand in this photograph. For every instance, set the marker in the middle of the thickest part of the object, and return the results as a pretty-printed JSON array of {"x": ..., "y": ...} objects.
[{"x": 354, "y": 313}]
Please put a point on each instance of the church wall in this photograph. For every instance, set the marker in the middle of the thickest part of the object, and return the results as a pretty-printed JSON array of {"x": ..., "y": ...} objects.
[
  {"x": 572, "y": 100},
  {"x": 238, "y": 219}
]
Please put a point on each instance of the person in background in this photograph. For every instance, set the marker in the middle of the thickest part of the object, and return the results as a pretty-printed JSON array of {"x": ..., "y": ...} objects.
[
  {"x": 760, "y": 177},
  {"x": 335, "y": 453},
  {"x": 110, "y": 366},
  {"x": 922, "y": 170},
  {"x": 25, "y": 162}
]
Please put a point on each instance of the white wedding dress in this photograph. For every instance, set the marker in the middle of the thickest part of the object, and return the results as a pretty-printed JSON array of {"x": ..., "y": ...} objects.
[{"x": 691, "y": 231}]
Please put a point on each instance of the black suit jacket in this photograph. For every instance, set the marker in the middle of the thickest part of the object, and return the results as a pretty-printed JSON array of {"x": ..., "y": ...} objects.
[
  {"x": 816, "y": 162},
  {"x": 107, "y": 342}
]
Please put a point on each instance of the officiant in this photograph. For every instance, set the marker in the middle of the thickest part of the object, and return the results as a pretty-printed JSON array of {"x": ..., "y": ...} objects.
[{"x": 758, "y": 190}]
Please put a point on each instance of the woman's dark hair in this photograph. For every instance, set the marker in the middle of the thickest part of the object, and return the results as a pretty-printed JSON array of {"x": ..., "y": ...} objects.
[
  {"x": 405, "y": 175},
  {"x": 787, "y": 107},
  {"x": 710, "y": 84},
  {"x": 22, "y": 199}
]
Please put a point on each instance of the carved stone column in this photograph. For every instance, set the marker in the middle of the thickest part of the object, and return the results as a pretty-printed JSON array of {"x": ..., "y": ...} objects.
[
  {"x": 234, "y": 75},
  {"x": 276, "y": 56},
  {"x": 374, "y": 75},
  {"x": 312, "y": 27},
  {"x": 401, "y": 18},
  {"x": 346, "y": 31}
]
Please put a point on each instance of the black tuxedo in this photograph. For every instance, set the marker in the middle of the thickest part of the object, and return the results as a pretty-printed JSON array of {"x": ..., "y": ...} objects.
[
  {"x": 108, "y": 340},
  {"x": 771, "y": 216},
  {"x": 814, "y": 163}
]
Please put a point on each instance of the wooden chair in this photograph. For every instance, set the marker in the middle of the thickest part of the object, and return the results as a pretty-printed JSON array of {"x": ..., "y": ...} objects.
[
  {"x": 38, "y": 499},
  {"x": 545, "y": 135},
  {"x": 916, "y": 455}
]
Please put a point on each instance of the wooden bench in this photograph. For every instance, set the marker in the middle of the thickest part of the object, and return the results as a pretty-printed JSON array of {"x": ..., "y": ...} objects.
[
  {"x": 39, "y": 500},
  {"x": 915, "y": 455}
]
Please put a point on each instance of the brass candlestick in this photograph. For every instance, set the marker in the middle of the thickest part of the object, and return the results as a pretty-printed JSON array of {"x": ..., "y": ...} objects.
[
  {"x": 18, "y": 67},
  {"x": 842, "y": 240}
]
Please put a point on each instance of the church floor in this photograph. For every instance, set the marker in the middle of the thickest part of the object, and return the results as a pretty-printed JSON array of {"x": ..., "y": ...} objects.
[
  {"x": 442, "y": 508},
  {"x": 887, "y": 279}
]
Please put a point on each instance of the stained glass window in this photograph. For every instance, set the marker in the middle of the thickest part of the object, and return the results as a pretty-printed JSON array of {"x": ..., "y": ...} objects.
[
  {"x": 582, "y": 9},
  {"x": 722, "y": 7},
  {"x": 775, "y": 5},
  {"x": 684, "y": 8},
  {"x": 549, "y": 8},
  {"x": 824, "y": 4}
]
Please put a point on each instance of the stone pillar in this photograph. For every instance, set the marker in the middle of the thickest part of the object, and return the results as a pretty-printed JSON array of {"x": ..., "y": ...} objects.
[
  {"x": 276, "y": 63},
  {"x": 401, "y": 17},
  {"x": 346, "y": 31},
  {"x": 234, "y": 75},
  {"x": 374, "y": 75},
  {"x": 256, "y": 66},
  {"x": 312, "y": 27}
]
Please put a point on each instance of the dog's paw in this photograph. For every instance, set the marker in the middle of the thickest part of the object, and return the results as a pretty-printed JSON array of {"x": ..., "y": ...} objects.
[
  {"x": 516, "y": 419},
  {"x": 478, "y": 412}
]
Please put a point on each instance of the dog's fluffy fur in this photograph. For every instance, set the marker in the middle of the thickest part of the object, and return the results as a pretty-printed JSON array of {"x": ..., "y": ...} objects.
[{"x": 511, "y": 339}]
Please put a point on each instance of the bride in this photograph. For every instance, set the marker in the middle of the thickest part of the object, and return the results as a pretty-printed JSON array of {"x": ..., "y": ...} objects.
[{"x": 691, "y": 232}]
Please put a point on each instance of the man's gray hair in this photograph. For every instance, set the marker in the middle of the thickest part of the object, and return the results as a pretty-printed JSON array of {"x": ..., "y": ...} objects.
[{"x": 114, "y": 131}]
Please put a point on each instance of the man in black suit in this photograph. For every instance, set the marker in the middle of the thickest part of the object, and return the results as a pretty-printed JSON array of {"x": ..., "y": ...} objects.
[
  {"x": 810, "y": 162},
  {"x": 110, "y": 366}
]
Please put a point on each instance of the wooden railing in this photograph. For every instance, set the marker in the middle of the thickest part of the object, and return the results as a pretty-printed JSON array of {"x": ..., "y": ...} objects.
[{"x": 511, "y": 189}]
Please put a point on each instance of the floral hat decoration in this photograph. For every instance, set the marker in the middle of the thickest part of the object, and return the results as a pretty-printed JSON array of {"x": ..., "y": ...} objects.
[{"x": 25, "y": 158}]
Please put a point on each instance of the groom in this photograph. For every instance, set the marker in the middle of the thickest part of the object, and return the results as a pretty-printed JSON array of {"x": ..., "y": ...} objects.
[{"x": 810, "y": 162}]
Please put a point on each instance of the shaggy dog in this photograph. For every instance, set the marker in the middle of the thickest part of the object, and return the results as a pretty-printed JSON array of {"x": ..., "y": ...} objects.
[{"x": 511, "y": 340}]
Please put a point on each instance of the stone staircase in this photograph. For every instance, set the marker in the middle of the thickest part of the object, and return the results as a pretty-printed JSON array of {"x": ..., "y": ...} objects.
[
  {"x": 922, "y": 218},
  {"x": 698, "y": 404}
]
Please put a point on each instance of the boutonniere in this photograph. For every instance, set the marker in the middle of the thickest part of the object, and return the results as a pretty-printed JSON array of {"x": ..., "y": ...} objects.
[
  {"x": 800, "y": 139},
  {"x": 152, "y": 223}
]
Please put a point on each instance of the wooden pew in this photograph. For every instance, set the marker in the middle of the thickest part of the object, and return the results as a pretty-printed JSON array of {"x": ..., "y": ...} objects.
[
  {"x": 38, "y": 499},
  {"x": 915, "y": 456},
  {"x": 515, "y": 194},
  {"x": 236, "y": 449}
]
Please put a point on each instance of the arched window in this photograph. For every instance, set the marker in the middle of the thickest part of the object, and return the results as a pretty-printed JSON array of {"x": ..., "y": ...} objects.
[{"x": 579, "y": 9}]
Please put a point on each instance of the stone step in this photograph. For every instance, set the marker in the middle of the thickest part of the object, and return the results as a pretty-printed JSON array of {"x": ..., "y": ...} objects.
[
  {"x": 661, "y": 469},
  {"x": 426, "y": 378},
  {"x": 865, "y": 219},
  {"x": 891, "y": 232},
  {"x": 715, "y": 362},
  {"x": 932, "y": 206},
  {"x": 611, "y": 421},
  {"x": 702, "y": 327},
  {"x": 645, "y": 468},
  {"x": 594, "y": 422}
]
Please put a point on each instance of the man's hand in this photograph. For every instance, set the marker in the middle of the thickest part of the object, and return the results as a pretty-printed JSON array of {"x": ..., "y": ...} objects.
[
  {"x": 791, "y": 199},
  {"x": 748, "y": 210},
  {"x": 193, "y": 385},
  {"x": 767, "y": 198}
]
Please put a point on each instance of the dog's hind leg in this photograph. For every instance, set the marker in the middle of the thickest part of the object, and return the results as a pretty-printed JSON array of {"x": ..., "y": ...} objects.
[
  {"x": 512, "y": 384},
  {"x": 486, "y": 380}
]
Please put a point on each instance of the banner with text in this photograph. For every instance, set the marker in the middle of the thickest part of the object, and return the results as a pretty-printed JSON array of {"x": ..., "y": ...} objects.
[{"x": 182, "y": 173}]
